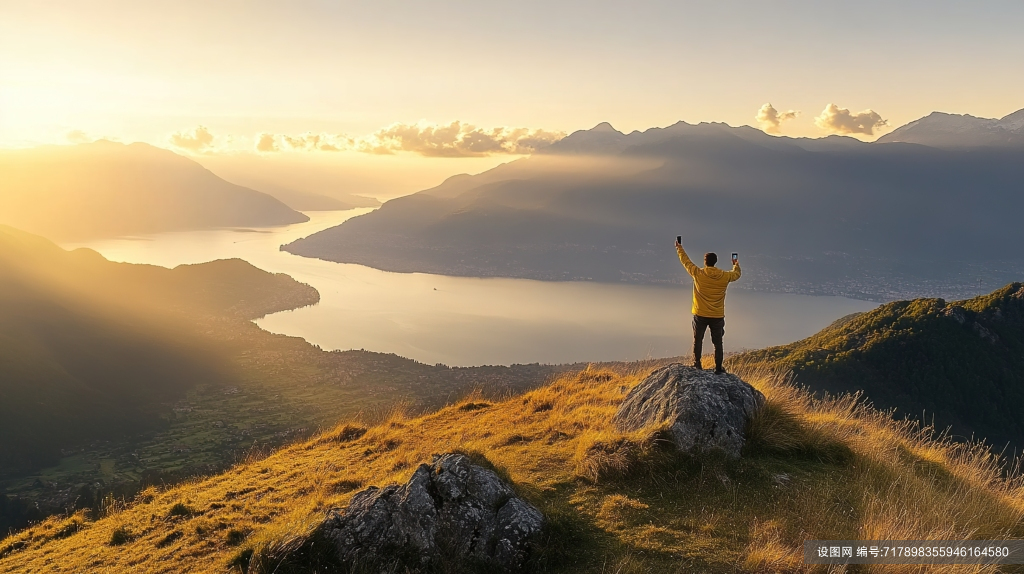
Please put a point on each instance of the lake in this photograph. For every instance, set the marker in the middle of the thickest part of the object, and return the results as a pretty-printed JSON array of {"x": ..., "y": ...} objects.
[{"x": 469, "y": 321}]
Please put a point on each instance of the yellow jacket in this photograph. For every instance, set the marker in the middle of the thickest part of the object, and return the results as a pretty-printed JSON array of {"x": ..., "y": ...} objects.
[{"x": 709, "y": 285}]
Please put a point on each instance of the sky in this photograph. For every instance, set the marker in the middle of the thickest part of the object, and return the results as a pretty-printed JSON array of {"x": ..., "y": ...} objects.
[{"x": 393, "y": 78}]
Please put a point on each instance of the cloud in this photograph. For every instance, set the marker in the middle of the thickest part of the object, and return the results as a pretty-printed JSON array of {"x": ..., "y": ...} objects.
[
  {"x": 841, "y": 121},
  {"x": 78, "y": 137},
  {"x": 771, "y": 119},
  {"x": 456, "y": 140},
  {"x": 267, "y": 143},
  {"x": 322, "y": 142},
  {"x": 195, "y": 140},
  {"x": 449, "y": 140}
]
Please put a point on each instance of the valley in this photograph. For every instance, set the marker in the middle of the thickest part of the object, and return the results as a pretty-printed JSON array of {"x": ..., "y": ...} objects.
[
  {"x": 82, "y": 333},
  {"x": 465, "y": 321}
]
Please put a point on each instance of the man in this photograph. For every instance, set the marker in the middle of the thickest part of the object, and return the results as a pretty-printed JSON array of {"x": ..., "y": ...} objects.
[{"x": 709, "y": 285}]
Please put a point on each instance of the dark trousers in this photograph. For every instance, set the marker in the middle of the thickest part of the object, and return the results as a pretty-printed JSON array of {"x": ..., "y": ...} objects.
[{"x": 701, "y": 324}]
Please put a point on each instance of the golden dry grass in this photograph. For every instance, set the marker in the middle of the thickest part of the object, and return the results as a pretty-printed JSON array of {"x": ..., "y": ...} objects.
[{"x": 616, "y": 502}]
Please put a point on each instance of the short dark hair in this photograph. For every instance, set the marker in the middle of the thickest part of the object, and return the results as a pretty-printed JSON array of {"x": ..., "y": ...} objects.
[{"x": 710, "y": 259}]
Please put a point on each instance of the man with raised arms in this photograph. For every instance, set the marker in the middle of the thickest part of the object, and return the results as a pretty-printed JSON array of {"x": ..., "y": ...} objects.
[{"x": 709, "y": 286}]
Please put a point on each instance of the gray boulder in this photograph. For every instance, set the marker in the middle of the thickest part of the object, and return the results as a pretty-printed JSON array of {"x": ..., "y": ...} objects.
[
  {"x": 705, "y": 411},
  {"x": 451, "y": 512}
]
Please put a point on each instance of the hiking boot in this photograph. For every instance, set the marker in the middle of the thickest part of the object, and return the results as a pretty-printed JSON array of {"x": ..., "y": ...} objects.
[
  {"x": 719, "y": 371},
  {"x": 697, "y": 366}
]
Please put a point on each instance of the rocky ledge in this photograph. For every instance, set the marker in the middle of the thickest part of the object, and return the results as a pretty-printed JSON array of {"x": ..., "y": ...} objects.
[
  {"x": 704, "y": 411},
  {"x": 451, "y": 515}
]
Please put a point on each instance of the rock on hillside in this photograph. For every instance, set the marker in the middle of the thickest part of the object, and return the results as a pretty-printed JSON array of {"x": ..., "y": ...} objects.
[
  {"x": 705, "y": 411},
  {"x": 450, "y": 512}
]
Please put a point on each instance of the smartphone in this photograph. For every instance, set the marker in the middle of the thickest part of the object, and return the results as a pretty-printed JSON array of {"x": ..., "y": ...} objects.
[
  {"x": 735, "y": 256},
  {"x": 679, "y": 239}
]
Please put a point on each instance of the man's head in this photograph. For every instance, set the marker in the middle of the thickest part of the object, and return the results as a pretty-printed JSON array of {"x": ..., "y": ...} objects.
[{"x": 710, "y": 259}]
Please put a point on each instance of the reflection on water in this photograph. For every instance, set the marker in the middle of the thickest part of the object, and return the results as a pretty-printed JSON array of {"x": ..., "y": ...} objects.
[{"x": 467, "y": 321}]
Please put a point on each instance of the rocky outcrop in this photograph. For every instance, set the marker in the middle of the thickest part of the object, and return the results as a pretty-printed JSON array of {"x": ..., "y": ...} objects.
[
  {"x": 955, "y": 312},
  {"x": 961, "y": 315},
  {"x": 704, "y": 411},
  {"x": 451, "y": 513},
  {"x": 1019, "y": 293}
]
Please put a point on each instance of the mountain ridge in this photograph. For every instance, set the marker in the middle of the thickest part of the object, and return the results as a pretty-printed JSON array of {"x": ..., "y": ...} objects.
[
  {"x": 940, "y": 129},
  {"x": 107, "y": 189},
  {"x": 849, "y": 210}
]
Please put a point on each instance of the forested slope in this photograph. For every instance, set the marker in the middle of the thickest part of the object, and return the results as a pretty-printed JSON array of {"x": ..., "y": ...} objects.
[{"x": 960, "y": 363}]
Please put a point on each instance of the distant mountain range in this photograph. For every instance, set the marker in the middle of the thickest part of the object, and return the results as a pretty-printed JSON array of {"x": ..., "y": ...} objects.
[
  {"x": 833, "y": 215},
  {"x": 960, "y": 131},
  {"x": 961, "y": 362},
  {"x": 106, "y": 189}
]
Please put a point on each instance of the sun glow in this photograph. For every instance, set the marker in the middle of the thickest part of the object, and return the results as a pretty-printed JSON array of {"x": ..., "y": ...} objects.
[{"x": 139, "y": 72}]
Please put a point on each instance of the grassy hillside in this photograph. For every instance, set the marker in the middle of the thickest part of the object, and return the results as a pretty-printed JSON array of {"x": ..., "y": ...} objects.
[
  {"x": 113, "y": 376},
  {"x": 960, "y": 363},
  {"x": 616, "y": 503},
  {"x": 107, "y": 189}
]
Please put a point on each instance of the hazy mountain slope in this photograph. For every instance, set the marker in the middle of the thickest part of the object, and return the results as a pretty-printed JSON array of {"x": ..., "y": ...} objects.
[
  {"x": 958, "y": 131},
  {"x": 106, "y": 189},
  {"x": 305, "y": 201},
  {"x": 136, "y": 374},
  {"x": 614, "y": 502},
  {"x": 304, "y": 182},
  {"x": 91, "y": 349},
  {"x": 846, "y": 219},
  {"x": 960, "y": 362}
]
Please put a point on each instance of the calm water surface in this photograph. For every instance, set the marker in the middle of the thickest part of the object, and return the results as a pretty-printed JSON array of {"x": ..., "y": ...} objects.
[{"x": 468, "y": 321}]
